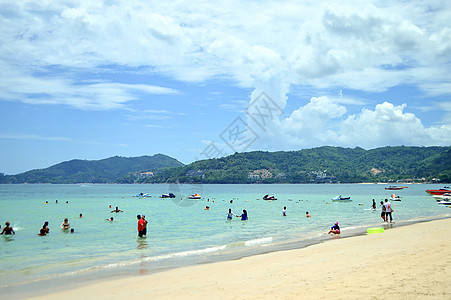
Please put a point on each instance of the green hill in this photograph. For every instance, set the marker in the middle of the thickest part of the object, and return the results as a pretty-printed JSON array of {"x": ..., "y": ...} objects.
[
  {"x": 318, "y": 165},
  {"x": 110, "y": 170}
]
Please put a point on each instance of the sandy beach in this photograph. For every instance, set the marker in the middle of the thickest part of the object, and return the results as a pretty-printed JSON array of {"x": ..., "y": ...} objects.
[{"x": 409, "y": 262}]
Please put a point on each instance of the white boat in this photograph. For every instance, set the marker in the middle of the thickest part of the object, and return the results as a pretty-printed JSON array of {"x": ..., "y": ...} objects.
[
  {"x": 445, "y": 202},
  {"x": 395, "y": 198},
  {"x": 195, "y": 196},
  {"x": 340, "y": 198},
  {"x": 446, "y": 197}
]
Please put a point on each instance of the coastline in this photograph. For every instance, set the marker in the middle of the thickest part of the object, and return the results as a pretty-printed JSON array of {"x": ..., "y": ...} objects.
[{"x": 412, "y": 261}]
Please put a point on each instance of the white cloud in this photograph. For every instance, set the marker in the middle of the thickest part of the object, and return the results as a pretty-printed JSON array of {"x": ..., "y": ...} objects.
[{"x": 324, "y": 122}]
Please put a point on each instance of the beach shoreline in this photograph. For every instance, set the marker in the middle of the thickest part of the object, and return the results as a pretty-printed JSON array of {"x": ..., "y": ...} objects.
[{"x": 412, "y": 260}]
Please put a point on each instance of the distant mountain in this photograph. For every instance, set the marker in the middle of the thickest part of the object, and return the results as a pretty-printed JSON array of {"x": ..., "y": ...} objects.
[
  {"x": 110, "y": 170},
  {"x": 317, "y": 165}
]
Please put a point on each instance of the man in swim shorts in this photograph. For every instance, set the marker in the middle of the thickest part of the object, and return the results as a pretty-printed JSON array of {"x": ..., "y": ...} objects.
[{"x": 8, "y": 229}]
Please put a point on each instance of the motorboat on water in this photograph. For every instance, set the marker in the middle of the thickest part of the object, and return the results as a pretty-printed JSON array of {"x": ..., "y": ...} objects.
[
  {"x": 446, "y": 197},
  {"x": 438, "y": 192},
  {"x": 445, "y": 202},
  {"x": 143, "y": 195},
  {"x": 267, "y": 197},
  {"x": 195, "y": 196},
  {"x": 170, "y": 195},
  {"x": 394, "y": 188},
  {"x": 395, "y": 198},
  {"x": 340, "y": 198}
]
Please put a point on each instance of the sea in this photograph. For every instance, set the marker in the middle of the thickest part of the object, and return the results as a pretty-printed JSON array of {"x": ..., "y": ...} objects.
[{"x": 181, "y": 231}]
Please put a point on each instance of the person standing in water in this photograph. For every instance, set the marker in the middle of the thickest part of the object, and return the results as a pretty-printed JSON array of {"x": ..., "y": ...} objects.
[
  {"x": 140, "y": 226},
  {"x": 244, "y": 215},
  {"x": 373, "y": 206},
  {"x": 230, "y": 214},
  {"x": 383, "y": 211},
  {"x": 284, "y": 211},
  {"x": 143, "y": 217},
  {"x": 65, "y": 225},
  {"x": 8, "y": 229}
]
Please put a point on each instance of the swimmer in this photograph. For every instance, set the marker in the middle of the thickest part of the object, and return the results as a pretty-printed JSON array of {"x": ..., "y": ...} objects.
[
  {"x": 110, "y": 219},
  {"x": 45, "y": 229},
  {"x": 81, "y": 215},
  {"x": 8, "y": 229},
  {"x": 207, "y": 207},
  {"x": 116, "y": 210},
  {"x": 307, "y": 214},
  {"x": 284, "y": 211},
  {"x": 65, "y": 225},
  {"x": 335, "y": 229}
]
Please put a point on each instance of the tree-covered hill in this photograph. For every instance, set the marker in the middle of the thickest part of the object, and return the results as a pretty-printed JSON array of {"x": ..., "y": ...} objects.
[
  {"x": 317, "y": 165},
  {"x": 324, "y": 164},
  {"x": 110, "y": 170}
]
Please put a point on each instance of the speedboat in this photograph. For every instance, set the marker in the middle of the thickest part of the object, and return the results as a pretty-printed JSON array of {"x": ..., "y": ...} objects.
[
  {"x": 395, "y": 198},
  {"x": 395, "y": 188},
  {"x": 445, "y": 202},
  {"x": 267, "y": 197},
  {"x": 195, "y": 196},
  {"x": 446, "y": 197},
  {"x": 438, "y": 192},
  {"x": 170, "y": 195},
  {"x": 142, "y": 195},
  {"x": 340, "y": 198}
]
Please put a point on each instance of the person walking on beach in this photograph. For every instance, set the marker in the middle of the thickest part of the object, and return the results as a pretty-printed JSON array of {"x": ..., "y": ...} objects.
[
  {"x": 65, "y": 225},
  {"x": 8, "y": 229},
  {"x": 388, "y": 211},
  {"x": 45, "y": 229},
  {"x": 140, "y": 226},
  {"x": 335, "y": 229},
  {"x": 284, "y": 211},
  {"x": 383, "y": 211}
]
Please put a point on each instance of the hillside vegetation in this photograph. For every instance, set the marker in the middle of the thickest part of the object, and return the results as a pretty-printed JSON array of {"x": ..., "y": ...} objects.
[{"x": 317, "y": 165}]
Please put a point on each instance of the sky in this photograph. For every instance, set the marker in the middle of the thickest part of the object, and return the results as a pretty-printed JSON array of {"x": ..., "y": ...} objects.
[{"x": 203, "y": 79}]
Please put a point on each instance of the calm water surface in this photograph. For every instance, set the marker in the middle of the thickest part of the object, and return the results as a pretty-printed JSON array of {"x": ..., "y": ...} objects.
[{"x": 179, "y": 230}]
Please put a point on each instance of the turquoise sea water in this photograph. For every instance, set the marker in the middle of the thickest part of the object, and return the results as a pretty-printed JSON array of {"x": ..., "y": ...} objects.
[{"x": 180, "y": 230}]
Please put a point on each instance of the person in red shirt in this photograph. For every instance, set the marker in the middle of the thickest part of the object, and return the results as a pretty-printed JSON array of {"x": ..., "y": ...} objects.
[{"x": 141, "y": 225}]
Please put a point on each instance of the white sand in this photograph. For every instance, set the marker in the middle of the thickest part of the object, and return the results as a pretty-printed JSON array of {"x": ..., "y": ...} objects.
[{"x": 410, "y": 262}]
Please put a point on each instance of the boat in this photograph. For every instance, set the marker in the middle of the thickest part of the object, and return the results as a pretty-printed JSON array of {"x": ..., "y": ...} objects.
[
  {"x": 195, "y": 196},
  {"x": 267, "y": 197},
  {"x": 142, "y": 195},
  {"x": 395, "y": 198},
  {"x": 170, "y": 195},
  {"x": 340, "y": 198},
  {"x": 438, "y": 192},
  {"x": 394, "y": 188},
  {"x": 445, "y": 202},
  {"x": 442, "y": 197}
]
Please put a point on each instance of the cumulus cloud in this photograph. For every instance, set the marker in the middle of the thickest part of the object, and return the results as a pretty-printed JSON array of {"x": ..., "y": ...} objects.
[{"x": 269, "y": 46}]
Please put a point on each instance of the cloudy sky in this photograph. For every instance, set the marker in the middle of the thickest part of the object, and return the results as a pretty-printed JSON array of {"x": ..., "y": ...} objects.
[{"x": 200, "y": 79}]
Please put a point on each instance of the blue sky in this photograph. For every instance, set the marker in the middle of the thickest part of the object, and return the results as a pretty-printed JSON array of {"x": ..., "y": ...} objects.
[{"x": 195, "y": 80}]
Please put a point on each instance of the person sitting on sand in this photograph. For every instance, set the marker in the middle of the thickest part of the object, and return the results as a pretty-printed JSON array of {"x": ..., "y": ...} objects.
[
  {"x": 117, "y": 210},
  {"x": 335, "y": 229},
  {"x": 65, "y": 225},
  {"x": 8, "y": 229},
  {"x": 307, "y": 214},
  {"x": 45, "y": 229}
]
